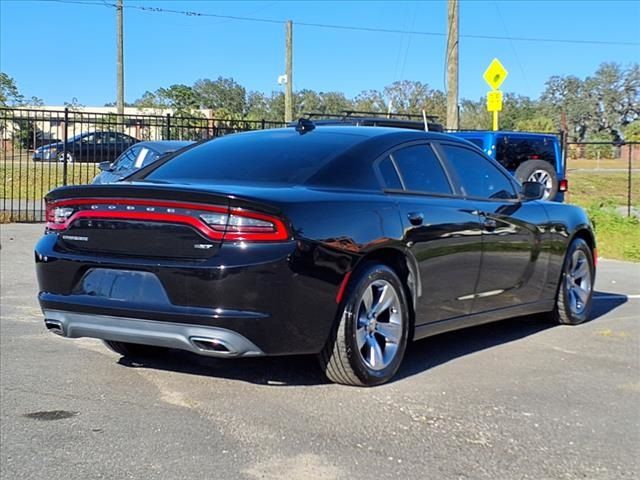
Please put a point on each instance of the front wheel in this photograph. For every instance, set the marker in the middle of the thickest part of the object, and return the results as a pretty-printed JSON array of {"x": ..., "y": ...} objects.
[
  {"x": 368, "y": 342},
  {"x": 575, "y": 293}
]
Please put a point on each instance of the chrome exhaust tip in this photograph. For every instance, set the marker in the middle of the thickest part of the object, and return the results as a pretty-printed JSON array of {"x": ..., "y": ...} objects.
[
  {"x": 54, "y": 326},
  {"x": 212, "y": 345}
]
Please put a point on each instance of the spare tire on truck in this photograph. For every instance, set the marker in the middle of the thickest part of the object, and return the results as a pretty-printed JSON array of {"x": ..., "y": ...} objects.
[{"x": 541, "y": 172}]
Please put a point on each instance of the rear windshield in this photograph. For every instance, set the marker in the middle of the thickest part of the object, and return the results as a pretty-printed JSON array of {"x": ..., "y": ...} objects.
[
  {"x": 277, "y": 156},
  {"x": 511, "y": 151}
]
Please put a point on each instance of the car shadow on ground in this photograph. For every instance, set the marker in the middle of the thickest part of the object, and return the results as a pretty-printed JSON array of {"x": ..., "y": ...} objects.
[{"x": 421, "y": 355}]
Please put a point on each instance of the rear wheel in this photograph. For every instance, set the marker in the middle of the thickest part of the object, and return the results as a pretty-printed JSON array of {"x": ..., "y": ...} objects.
[
  {"x": 133, "y": 349},
  {"x": 65, "y": 157},
  {"x": 575, "y": 293},
  {"x": 368, "y": 343},
  {"x": 541, "y": 172}
]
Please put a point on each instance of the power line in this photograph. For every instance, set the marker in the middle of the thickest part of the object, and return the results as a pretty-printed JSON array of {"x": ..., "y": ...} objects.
[{"x": 349, "y": 27}]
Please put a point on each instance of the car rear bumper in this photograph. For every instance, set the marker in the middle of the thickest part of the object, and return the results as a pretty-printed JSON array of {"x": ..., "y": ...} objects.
[
  {"x": 203, "y": 340},
  {"x": 273, "y": 298}
]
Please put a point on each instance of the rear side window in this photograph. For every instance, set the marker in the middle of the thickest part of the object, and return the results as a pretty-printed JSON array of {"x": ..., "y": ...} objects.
[
  {"x": 279, "y": 156},
  {"x": 390, "y": 174},
  {"x": 421, "y": 170},
  {"x": 511, "y": 150},
  {"x": 479, "y": 177}
]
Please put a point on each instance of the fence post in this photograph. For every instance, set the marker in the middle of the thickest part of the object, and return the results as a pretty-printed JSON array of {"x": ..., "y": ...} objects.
[
  {"x": 630, "y": 146},
  {"x": 168, "y": 126},
  {"x": 263, "y": 124},
  {"x": 65, "y": 134}
]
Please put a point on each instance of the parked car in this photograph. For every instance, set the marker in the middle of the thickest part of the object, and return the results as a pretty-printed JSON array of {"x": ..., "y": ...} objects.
[
  {"x": 94, "y": 147},
  {"x": 345, "y": 242},
  {"x": 530, "y": 157},
  {"x": 135, "y": 157}
]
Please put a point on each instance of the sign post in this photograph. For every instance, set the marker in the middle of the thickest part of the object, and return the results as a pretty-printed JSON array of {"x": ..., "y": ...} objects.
[{"x": 494, "y": 75}]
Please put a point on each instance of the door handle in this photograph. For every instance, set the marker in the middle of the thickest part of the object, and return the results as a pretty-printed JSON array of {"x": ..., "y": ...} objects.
[{"x": 416, "y": 218}]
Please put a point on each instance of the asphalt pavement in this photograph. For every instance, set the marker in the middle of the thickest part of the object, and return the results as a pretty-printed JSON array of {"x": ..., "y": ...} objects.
[{"x": 520, "y": 399}]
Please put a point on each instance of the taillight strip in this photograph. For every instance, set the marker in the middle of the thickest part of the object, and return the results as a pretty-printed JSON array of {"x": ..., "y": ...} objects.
[{"x": 281, "y": 232}]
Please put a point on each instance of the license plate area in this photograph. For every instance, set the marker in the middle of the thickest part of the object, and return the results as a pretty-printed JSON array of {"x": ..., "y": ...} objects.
[{"x": 122, "y": 285}]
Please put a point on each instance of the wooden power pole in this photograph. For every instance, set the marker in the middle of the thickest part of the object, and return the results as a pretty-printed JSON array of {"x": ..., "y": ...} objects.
[
  {"x": 288, "y": 93},
  {"x": 120, "y": 61},
  {"x": 453, "y": 122}
]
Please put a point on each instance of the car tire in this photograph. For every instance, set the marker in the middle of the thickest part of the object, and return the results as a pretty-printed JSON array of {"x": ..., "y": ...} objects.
[
  {"x": 68, "y": 157},
  {"x": 368, "y": 342},
  {"x": 133, "y": 349},
  {"x": 575, "y": 292},
  {"x": 542, "y": 172}
]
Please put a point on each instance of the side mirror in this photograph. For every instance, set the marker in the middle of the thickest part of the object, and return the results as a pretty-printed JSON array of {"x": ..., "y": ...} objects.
[
  {"x": 532, "y": 191},
  {"x": 105, "y": 166}
]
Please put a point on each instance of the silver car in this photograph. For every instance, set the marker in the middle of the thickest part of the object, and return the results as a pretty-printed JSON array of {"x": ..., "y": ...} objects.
[{"x": 135, "y": 157}]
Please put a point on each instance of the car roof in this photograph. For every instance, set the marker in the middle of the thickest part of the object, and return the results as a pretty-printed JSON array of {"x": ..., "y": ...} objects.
[{"x": 368, "y": 131}]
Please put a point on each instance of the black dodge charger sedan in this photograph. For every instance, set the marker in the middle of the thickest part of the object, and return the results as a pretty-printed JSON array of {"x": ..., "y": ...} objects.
[{"x": 345, "y": 242}]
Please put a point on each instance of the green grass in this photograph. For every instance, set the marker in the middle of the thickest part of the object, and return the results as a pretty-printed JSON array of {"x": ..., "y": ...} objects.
[
  {"x": 587, "y": 188},
  {"x": 618, "y": 236},
  {"x": 600, "y": 193},
  {"x": 33, "y": 180}
]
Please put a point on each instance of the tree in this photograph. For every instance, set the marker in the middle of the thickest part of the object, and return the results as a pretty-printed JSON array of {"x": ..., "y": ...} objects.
[
  {"x": 9, "y": 94},
  {"x": 474, "y": 115},
  {"x": 370, "y": 101},
  {"x": 569, "y": 97},
  {"x": 181, "y": 98},
  {"x": 632, "y": 132},
  {"x": 223, "y": 94},
  {"x": 616, "y": 94},
  {"x": 257, "y": 106}
]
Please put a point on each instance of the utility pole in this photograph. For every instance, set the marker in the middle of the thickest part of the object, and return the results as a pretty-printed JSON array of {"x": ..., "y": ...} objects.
[
  {"x": 120, "y": 61},
  {"x": 453, "y": 121},
  {"x": 288, "y": 93}
]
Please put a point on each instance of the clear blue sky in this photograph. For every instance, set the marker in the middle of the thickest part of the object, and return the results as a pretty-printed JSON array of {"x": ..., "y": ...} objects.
[{"x": 58, "y": 51}]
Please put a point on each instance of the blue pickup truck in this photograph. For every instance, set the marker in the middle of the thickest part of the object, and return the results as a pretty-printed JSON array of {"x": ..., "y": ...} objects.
[{"x": 534, "y": 157}]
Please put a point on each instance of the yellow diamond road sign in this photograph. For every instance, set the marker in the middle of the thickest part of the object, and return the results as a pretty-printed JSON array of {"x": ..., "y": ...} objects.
[{"x": 495, "y": 74}]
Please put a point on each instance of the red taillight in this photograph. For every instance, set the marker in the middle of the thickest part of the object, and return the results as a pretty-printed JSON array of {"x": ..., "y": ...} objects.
[
  {"x": 215, "y": 222},
  {"x": 563, "y": 185}
]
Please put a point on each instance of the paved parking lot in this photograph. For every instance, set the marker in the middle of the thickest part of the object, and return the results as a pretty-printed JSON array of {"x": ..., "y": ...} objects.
[{"x": 521, "y": 399}]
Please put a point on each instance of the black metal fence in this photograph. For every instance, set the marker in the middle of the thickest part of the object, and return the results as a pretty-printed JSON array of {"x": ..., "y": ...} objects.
[
  {"x": 604, "y": 172},
  {"x": 43, "y": 149}
]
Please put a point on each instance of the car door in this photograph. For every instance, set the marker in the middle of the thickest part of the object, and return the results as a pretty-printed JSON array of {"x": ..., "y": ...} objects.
[
  {"x": 514, "y": 264},
  {"x": 442, "y": 233},
  {"x": 85, "y": 148}
]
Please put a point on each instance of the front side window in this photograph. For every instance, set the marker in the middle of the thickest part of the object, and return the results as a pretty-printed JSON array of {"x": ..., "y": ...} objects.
[
  {"x": 421, "y": 170},
  {"x": 479, "y": 177}
]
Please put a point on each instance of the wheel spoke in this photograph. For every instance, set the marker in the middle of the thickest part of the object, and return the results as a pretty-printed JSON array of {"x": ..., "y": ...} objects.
[
  {"x": 361, "y": 337},
  {"x": 390, "y": 331},
  {"x": 573, "y": 303},
  {"x": 582, "y": 295},
  {"x": 581, "y": 270},
  {"x": 384, "y": 301},
  {"x": 375, "y": 352},
  {"x": 367, "y": 298}
]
